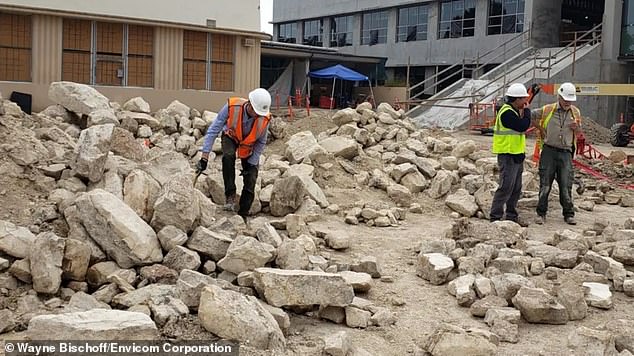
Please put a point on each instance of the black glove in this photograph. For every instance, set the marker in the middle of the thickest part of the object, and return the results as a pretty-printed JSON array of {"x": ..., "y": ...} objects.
[{"x": 202, "y": 165}]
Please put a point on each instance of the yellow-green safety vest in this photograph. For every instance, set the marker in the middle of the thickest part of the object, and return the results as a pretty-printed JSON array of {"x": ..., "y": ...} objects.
[{"x": 506, "y": 140}]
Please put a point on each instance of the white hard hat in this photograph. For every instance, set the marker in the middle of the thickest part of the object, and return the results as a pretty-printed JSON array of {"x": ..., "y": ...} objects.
[
  {"x": 568, "y": 92},
  {"x": 517, "y": 90},
  {"x": 260, "y": 100}
]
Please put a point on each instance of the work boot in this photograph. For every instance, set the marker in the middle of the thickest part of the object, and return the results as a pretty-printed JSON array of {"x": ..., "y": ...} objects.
[
  {"x": 570, "y": 220},
  {"x": 581, "y": 187},
  {"x": 521, "y": 222},
  {"x": 230, "y": 203},
  {"x": 540, "y": 220}
]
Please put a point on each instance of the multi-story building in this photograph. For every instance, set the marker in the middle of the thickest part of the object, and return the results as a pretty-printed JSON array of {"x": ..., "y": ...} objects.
[
  {"x": 196, "y": 51},
  {"x": 430, "y": 35}
]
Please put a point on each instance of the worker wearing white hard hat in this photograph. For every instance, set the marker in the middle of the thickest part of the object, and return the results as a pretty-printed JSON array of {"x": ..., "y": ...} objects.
[
  {"x": 244, "y": 126},
  {"x": 509, "y": 143},
  {"x": 558, "y": 125}
]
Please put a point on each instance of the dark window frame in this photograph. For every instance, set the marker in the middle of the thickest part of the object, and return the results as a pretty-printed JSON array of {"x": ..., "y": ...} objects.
[
  {"x": 218, "y": 53},
  {"x": 109, "y": 50},
  {"x": 457, "y": 19},
  {"x": 374, "y": 25},
  {"x": 287, "y": 32},
  {"x": 341, "y": 37},
  {"x": 405, "y": 30},
  {"x": 313, "y": 32},
  {"x": 505, "y": 16},
  {"x": 16, "y": 48}
]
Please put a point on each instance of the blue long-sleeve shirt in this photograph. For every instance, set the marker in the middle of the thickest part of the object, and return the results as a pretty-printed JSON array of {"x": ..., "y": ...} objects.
[
  {"x": 220, "y": 124},
  {"x": 511, "y": 120}
]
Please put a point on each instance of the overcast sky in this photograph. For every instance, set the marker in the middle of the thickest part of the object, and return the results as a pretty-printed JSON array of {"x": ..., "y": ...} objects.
[{"x": 266, "y": 15}]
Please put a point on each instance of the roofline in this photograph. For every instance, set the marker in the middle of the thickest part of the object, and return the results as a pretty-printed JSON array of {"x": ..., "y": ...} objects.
[
  {"x": 303, "y": 51},
  {"x": 133, "y": 20}
]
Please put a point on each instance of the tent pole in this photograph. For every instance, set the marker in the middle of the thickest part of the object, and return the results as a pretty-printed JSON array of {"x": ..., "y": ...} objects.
[
  {"x": 332, "y": 94},
  {"x": 371, "y": 93}
]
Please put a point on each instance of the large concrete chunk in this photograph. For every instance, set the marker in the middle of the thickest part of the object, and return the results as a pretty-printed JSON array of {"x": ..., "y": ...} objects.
[
  {"x": 300, "y": 146},
  {"x": 79, "y": 98},
  {"x": 287, "y": 196},
  {"x": 145, "y": 294},
  {"x": 15, "y": 240},
  {"x": 598, "y": 295},
  {"x": 462, "y": 202},
  {"x": 537, "y": 306},
  {"x": 45, "y": 260},
  {"x": 140, "y": 192},
  {"x": 96, "y": 324},
  {"x": 449, "y": 340},
  {"x": 91, "y": 152},
  {"x": 209, "y": 243},
  {"x": 506, "y": 285},
  {"x": 296, "y": 288},
  {"x": 176, "y": 205},
  {"x": 586, "y": 341},
  {"x": 434, "y": 267},
  {"x": 118, "y": 230},
  {"x": 234, "y": 316},
  {"x": 245, "y": 254},
  {"x": 553, "y": 256},
  {"x": 313, "y": 190},
  {"x": 440, "y": 185},
  {"x": 190, "y": 285},
  {"x": 341, "y": 146}
]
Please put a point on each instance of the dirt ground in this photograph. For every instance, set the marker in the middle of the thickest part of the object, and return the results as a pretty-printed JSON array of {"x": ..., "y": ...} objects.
[{"x": 420, "y": 306}]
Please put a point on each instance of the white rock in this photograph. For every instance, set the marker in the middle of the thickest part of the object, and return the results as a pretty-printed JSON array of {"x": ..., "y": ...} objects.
[
  {"x": 15, "y": 240},
  {"x": 91, "y": 153},
  {"x": 434, "y": 267},
  {"x": 95, "y": 324},
  {"x": 79, "y": 98},
  {"x": 462, "y": 202},
  {"x": 137, "y": 104},
  {"x": 598, "y": 295}
]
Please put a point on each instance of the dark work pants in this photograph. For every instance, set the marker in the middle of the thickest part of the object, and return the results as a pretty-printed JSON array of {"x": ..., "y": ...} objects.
[
  {"x": 555, "y": 164},
  {"x": 249, "y": 174},
  {"x": 509, "y": 189}
]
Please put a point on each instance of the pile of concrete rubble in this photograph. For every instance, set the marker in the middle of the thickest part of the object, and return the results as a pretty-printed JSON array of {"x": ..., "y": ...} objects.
[
  {"x": 503, "y": 277},
  {"x": 125, "y": 236}
]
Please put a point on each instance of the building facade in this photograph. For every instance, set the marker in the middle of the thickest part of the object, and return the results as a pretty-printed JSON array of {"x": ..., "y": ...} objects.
[
  {"x": 193, "y": 52},
  {"x": 429, "y": 34}
]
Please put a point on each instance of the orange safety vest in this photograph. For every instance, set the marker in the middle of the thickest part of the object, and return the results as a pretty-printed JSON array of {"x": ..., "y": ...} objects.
[{"x": 234, "y": 127}]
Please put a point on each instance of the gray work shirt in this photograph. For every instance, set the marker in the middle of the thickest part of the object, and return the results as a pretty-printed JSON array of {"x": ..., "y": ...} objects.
[{"x": 558, "y": 132}]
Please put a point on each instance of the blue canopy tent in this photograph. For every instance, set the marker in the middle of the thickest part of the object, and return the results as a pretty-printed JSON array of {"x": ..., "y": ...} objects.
[{"x": 339, "y": 72}]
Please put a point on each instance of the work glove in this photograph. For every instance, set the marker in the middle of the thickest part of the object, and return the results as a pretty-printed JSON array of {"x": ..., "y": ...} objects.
[{"x": 201, "y": 165}]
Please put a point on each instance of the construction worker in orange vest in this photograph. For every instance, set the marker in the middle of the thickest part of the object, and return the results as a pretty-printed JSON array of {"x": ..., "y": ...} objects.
[
  {"x": 244, "y": 125},
  {"x": 558, "y": 125}
]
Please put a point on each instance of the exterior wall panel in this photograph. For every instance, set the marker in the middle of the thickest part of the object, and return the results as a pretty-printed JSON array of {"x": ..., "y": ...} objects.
[
  {"x": 242, "y": 15},
  {"x": 168, "y": 54},
  {"x": 47, "y": 49}
]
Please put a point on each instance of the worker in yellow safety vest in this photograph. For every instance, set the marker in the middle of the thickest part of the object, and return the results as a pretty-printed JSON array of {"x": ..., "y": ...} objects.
[
  {"x": 509, "y": 143},
  {"x": 558, "y": 125}
]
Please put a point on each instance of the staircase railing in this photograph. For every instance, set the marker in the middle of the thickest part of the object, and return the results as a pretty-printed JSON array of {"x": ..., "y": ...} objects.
[
  {"x": 578, "y": 41},
  {"x": 591, "y": 37},
  {"x": 471, "y": 64}
]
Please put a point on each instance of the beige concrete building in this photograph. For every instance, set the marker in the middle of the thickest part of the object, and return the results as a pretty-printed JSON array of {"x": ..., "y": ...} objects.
[{"x": 196, "y": 51}]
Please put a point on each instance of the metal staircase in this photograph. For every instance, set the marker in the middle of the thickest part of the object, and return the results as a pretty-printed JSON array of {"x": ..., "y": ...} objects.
[{"x": 448, "y": 108}]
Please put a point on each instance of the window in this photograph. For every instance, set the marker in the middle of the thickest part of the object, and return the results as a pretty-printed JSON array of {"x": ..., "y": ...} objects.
[
  {"x": 287, "y": 32},
  {"x": 15, "y": 47},
  {"x": 140, "y": 51},
  {"x": 412, "y": 24},
  {"x": 208, "y": 61},
  {"x": 505, "y": 16},
  {"x": 312, "y": 33},
  {"x": 105, "y": 53},
  {"x": 374, "y": 28},
  {"x": 627, "y": 29},
  {"x": 457, "y": 19},
  {"x": 341, "y": 31}
]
